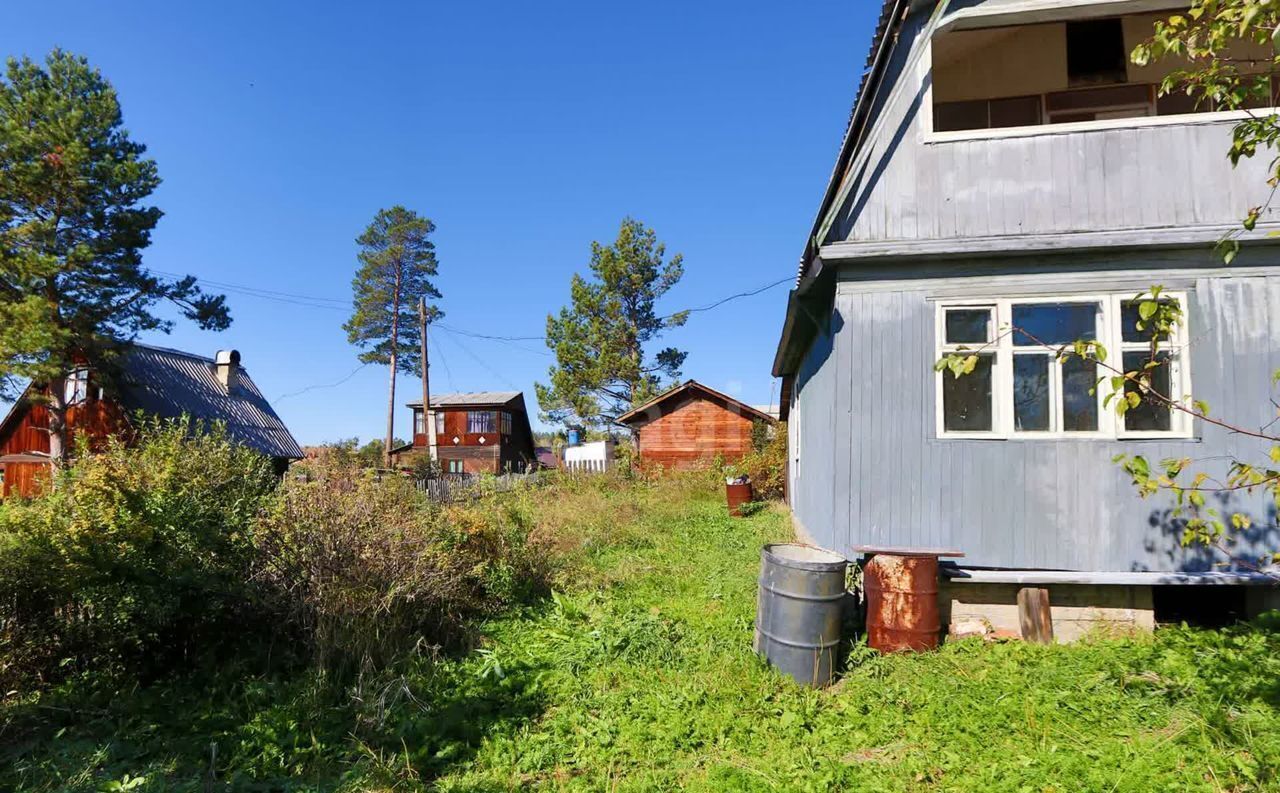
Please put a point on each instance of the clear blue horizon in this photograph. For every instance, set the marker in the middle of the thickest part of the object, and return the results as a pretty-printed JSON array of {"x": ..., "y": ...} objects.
[{"x": 524, "y": 132}]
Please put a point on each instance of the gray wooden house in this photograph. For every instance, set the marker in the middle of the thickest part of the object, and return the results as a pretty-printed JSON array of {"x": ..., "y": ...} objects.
[{"x": 1005, "y": 163}]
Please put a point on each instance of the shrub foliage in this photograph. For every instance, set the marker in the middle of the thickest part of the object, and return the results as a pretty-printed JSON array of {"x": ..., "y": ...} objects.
[{"x": 137, "y": 558}]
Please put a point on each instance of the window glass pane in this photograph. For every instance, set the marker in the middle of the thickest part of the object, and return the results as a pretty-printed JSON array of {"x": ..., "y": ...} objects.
[
  {"x": 1148, "y": 415},
  {"x": 1079, "y": 407},
  {"x": 1096, "y": 52},
  {"x": 1053, "y": 323},
  {"x": 1017, "y": 111},
  {"x": 949, "y": 116},
  {"x": 1031, "y": 393},
  {"x": 966, "y": 400},
  {"x": 480, "y": 421},
  {"x": 418, "y": 427},
  {"x": 439, "y": 422},
  {"x": 968, "y": 325},
  {"x": 1129, "y": 318}
]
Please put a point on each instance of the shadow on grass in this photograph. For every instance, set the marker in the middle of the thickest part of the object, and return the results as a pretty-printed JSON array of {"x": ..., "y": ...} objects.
[{"x": 229, "y": 728}]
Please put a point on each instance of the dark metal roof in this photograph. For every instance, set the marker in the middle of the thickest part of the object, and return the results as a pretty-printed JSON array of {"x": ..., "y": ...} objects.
[{"x": 170, "y": 383}]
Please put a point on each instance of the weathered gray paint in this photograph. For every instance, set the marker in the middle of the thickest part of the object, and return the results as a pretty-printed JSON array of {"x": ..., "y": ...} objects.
[
  {"x": 874, "y": 472},
  {"x": 1171, "y": 176}
]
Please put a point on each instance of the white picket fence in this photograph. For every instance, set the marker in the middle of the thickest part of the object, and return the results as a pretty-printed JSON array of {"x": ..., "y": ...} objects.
[{"x": 588, "y": 466}]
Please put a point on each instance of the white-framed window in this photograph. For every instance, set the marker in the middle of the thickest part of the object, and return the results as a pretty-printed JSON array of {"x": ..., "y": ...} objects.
[
  {"x": 76, "y": 387},
  {"x": 439, "y": 414},
  {"x": 1019, "y": 389}
]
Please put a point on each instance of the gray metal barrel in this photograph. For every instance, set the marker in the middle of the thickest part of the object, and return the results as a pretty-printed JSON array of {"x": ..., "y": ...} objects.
[{"x": 798, "y": 610}]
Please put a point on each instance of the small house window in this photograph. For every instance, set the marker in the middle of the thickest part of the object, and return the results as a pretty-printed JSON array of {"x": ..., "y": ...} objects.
[
  {"x": 439, "y": 422},
  {"x": 480, "y": 421},
  {"x": 506, "y": 423},
  {"x": 419, "y": 426},
  {"x": 76, "y": 388},
  {"x": 1021, "y": 387},
  {"x": 453, "y": 466}
]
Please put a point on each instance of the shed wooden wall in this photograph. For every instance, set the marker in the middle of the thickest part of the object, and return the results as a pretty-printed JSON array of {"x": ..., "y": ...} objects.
[
  {"x": 1133, "y": 178},
  {"x": 693, "y": 430},
  {"x": 872, "y": 470}
]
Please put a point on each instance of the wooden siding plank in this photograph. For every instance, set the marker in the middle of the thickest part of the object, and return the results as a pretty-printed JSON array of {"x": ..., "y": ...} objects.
[{"x": 1025, "y": 503}]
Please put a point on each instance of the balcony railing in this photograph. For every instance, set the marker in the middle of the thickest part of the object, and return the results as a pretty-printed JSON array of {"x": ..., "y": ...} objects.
[{"x": 1128, "y": 100}]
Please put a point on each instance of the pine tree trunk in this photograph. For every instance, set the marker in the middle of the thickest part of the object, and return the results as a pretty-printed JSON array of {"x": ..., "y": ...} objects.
[
  {"x": 395, "y": 347},
  {"x": 57, "y": 409}
]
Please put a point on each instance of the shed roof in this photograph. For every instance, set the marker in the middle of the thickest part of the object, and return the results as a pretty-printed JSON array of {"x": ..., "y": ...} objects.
[{"x": 641, "y": 412}]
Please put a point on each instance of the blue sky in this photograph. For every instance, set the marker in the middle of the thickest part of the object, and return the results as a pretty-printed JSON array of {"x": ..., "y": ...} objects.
[{"x": 524, "y": 130}]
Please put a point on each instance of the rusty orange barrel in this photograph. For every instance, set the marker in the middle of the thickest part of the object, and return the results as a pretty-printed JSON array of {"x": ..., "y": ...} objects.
[
  {"x": 737, "y": 495},
  {"x": 902, "y": 602}
]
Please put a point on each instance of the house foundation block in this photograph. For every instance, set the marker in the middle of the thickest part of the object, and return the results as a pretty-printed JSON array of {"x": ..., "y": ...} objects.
[{"x": 1076, "y": 609}]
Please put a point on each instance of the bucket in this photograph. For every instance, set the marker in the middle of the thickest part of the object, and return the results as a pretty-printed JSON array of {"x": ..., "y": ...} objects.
[{"x": 798, "y": 610}]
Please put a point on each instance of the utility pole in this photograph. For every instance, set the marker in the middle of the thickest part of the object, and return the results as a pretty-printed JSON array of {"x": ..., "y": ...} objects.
[{"x": 428, "y": 415}]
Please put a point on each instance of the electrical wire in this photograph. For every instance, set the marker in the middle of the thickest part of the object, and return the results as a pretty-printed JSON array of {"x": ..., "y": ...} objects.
[{"x": 354, "y": 372}]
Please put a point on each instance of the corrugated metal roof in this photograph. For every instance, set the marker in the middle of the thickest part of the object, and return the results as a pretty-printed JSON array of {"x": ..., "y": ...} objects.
[
  {"x": 169, "y": 383},
  {"x": 472, "y": 399}
]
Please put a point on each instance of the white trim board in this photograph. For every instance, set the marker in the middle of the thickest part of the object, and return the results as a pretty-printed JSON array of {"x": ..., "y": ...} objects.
[
  {"x": 961, "y": 575},
  {"x": 1148, "y": 238}
]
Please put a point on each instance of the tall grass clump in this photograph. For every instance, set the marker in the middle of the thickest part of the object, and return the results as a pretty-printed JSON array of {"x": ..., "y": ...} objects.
[
  {"x": 138, "y": 558},
  {"x": 366, "y": 570}
]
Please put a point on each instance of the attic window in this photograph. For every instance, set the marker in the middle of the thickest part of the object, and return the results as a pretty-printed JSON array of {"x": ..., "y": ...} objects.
[
  {"x": 76, "y": 389},
  {"x": 1096, "y": 52},
  {"x": 1068, "y": 72}
]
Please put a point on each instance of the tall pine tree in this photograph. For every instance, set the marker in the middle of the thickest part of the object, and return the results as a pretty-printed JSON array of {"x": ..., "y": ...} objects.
[
  {"x": 397, "y": 261},
  {"x": 602, "y": 369},
  {"x": 73, "y": 291}
]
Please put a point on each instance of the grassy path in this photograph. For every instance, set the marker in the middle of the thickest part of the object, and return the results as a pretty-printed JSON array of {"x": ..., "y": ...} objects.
[
  {"x": 639, "y": 676},
  {"x": 646, "y": 681}
]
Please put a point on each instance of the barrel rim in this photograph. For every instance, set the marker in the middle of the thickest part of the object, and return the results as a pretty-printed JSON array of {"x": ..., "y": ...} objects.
[{"x": 796, "y": 564}]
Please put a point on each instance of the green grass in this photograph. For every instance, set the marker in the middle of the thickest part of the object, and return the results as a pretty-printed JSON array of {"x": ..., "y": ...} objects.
[{"x": 640, "y": 676}]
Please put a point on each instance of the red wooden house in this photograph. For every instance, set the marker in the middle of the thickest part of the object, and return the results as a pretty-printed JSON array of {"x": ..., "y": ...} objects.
[
  {"x": 691, "y": 424},
  {"x": 485, "y": 432},
  {"x": 153, "y": 381}
]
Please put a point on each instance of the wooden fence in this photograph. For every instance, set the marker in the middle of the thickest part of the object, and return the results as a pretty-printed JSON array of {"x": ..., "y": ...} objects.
[{"x": 449, "y": 488}]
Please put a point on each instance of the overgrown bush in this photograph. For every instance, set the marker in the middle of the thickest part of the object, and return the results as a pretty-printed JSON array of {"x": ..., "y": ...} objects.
[
  {"x": 137, "y": 558},
  {"x": 767, "y": 464},
  {"x": 367, "y": 570}
]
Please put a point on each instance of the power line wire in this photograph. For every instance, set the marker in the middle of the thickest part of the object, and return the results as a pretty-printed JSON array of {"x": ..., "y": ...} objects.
[
  {"x": 324, "y": 385},
  {"x": 440, "y": 352},
  {"x": 481, "y": 362}
]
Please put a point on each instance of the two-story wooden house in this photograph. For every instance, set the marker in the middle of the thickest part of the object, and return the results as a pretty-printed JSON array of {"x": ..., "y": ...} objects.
[
  {"x": 152, "y": 382},
  {"x": 1006, "y": 165},
  {"x": 484, "y": 432}
]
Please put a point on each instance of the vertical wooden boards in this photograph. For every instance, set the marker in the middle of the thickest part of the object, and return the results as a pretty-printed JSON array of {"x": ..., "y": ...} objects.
[{"x": 875, "y": 472}]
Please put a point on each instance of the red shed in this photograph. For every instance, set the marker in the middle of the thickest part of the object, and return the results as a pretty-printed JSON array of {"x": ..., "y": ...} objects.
[{"x": 691, "y": 425}]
